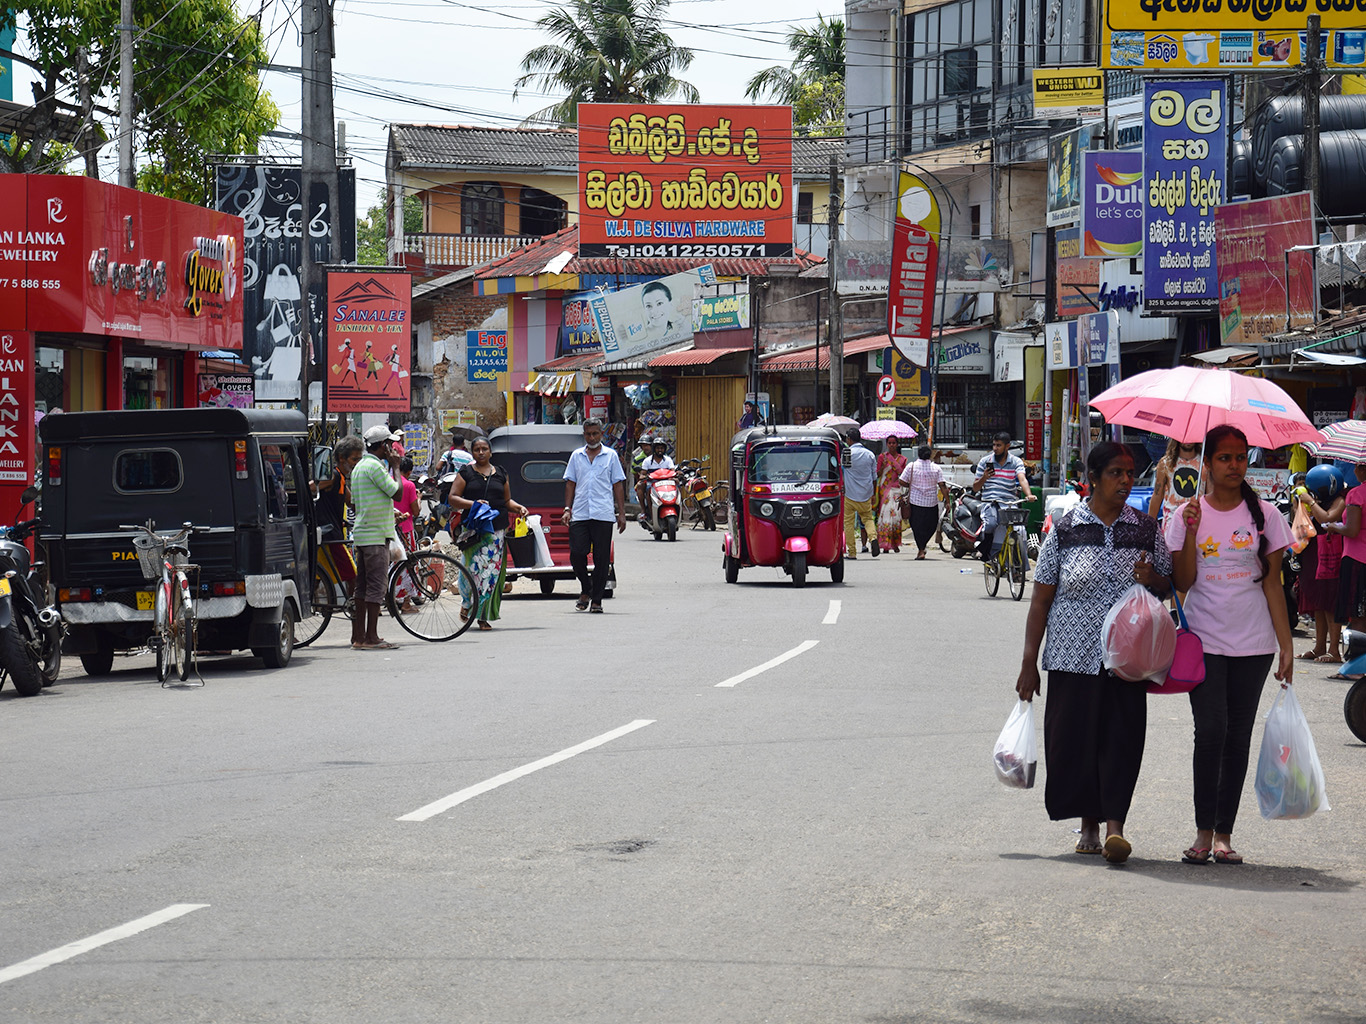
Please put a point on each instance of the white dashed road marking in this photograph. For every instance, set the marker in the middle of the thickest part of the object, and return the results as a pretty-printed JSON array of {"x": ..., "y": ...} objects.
[
  {"x": 469, "y": 793},
  {"x": 73, "y": 949},
  {"x": 801, "y": 648},
  {"x": 832, "y": 616}
]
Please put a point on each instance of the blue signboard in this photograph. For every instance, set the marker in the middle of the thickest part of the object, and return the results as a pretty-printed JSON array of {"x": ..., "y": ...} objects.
[
  {"x": 1185, "y": 171},
  {"x": 486, "y": 355},
  {"x": 578, "y": 334}
]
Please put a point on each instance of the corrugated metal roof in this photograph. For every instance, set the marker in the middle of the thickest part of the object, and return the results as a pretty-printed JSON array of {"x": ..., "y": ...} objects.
[
  {"x": 473, "y": 148},
  {"x": 801, "y": 358},
  {"x": 578, "y": 361},
  {"x": 532, "y": 259},
  {"x": 694, "y": 356},
  {"x": 477, "y": 148}
]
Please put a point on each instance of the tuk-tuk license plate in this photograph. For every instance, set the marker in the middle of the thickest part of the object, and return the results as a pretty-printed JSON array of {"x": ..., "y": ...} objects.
[
  {"x": 145, "y": 601},
  {"x": 4, "y": 587}
]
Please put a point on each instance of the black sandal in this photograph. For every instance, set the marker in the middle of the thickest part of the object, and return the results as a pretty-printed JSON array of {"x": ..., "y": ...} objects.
[
  {"x": 582, "y": 603},
  {"x": 596, "y": 606}
]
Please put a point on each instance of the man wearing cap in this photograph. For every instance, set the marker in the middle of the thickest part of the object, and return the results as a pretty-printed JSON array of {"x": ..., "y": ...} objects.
[{"x": 372, "y": 493}]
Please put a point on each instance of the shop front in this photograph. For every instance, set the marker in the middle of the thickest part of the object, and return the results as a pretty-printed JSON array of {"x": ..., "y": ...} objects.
[{"x": 108, "y": 296}]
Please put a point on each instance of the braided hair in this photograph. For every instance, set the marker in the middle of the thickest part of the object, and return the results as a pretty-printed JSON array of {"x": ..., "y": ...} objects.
[{"x": 1250, "y": 498}]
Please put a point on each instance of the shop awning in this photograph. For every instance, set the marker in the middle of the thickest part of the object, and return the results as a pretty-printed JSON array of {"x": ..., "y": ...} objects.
[
  {"x": 695, "y": 356},
  {"x": 804, "y": 358},
  {"x": 577, "y": 361},
  {"x": 554, "y": 383}
]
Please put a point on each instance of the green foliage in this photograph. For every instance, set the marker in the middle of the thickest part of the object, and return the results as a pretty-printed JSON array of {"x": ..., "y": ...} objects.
[
  {"x": 372, "y": 229},
  {"x": 195, "y": 70},
  {"x": 607, "y": 51},
  {"x": 814, "y": 83}
]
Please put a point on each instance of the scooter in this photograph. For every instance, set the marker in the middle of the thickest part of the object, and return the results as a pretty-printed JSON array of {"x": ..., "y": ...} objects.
[
  {"x": 965, "y": 528},
  {"x": 1354, "y": 663},
  {"x": 693, "y": 480},
  {"x": 661, "y": 504},
  {"x": 30, "y": 634}
]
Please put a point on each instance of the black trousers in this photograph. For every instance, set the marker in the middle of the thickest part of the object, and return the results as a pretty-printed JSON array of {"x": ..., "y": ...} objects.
[
  {"x": 1094, "y": 727},
  {"x": 591, "y": 535},
  {"x": 924, "y": 519},
  {"x": 1225, "y": 710}
]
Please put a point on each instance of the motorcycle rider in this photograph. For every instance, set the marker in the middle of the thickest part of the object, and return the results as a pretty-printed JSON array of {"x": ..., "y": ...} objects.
[
  {"x": 657, "y": 459},
  {"x": 1000, "y": 476}
]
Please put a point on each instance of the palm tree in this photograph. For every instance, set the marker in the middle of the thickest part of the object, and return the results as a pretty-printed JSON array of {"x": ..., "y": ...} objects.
[
  {"x": 818, "y": 56},
  {"x": 607, "y": 51}
]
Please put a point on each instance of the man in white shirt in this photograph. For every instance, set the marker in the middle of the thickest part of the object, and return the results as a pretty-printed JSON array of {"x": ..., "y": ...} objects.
[
  {"x": 594, "y": 486},
  {"x": 860, "y": 484},
  {"x": 657, "y": 459}
]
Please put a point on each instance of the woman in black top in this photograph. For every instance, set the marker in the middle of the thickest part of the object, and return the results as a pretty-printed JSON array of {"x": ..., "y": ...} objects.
[{"x": 482, "y": 481}]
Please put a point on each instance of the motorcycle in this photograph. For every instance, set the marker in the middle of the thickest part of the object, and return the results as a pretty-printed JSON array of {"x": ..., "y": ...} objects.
[
  {"x": 961, "y": 523},
  {"x": 662, "y": 504},
  {"x": 693, "y": 482},
  {"x": 30, "y": 634}
]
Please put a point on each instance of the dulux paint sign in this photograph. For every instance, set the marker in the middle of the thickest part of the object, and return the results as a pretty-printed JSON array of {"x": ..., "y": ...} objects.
[{"x": 1112, "y": 204}]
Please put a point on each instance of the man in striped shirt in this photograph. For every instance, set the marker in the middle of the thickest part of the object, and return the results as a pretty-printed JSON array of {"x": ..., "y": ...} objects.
[
  {"x": 998, "y": 476},
  {"x": 372, "y": 490}
]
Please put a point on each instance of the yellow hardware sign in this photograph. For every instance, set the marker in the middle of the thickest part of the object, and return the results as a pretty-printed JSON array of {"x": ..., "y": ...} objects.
[{"x": 1064, "y": 92}]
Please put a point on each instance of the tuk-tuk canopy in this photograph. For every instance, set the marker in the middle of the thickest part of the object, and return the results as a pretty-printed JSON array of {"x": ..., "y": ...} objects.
[{"x": 72, "y": 427}]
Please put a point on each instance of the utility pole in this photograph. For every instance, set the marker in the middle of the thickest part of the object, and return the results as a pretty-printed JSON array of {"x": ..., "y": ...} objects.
[
  {"x": 835, "y": 331},
  {"x": 319, "y": 166},
  {"x": 86, "y": 142},
  {"x": 1313, "y": 65},
  {"x": 126, "y": 177}
]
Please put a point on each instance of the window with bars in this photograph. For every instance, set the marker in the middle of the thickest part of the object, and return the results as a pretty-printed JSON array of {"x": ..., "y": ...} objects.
[{"x": 481, "y": 208}]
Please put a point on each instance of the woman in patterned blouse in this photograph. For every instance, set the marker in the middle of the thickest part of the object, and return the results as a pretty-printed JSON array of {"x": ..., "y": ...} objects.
[{"x": 1094, "y": 723}]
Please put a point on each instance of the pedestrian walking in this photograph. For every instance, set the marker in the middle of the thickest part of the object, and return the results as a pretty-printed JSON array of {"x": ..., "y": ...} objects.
[
  {"x": 925, "y": 488},
  {"x": 1226, "y": 549},
  {"x": 1320, "y": 562},
  {"x": 1176, "y": 480},
  {"x": 1352, "y": 569},
  {"x": 482, "y": 481},
  {"x": 594, "y": 495},
  {"x": 407, "y": 507},
  {"x": 890, "y": 465},
  {"x": 860, "y": 485},
  {"x": 366, "y": 466},
  {"x": 1094, "y": 723}
]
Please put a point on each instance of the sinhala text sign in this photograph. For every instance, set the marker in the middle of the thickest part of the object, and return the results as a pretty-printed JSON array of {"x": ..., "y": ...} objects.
[
  {"x": 369, "y": 339},
  {"x": 1251, "y": 241},
  {"x": 688, "y": 182},
  {"x": 1185, "y": 164}
]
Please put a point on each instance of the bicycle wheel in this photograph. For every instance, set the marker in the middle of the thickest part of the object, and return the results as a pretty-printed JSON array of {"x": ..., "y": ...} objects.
[
  {"x": 309, "y": 629},
  {"x": 991, "y": 574},
  {"x": 720, "y": 508},
  {"x": 424, "y": 579},
  {"x": 1017, "y": 563},
  {"x": 180, "y": 640},
  {"x": 161, "y": 631}
]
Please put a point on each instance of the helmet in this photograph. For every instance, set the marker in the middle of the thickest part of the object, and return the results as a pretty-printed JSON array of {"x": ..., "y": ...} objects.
[
  {"x": 659, "y": 442},
  {"x": 645, "y": 441},
  {"x": 1324, "y": 483}
]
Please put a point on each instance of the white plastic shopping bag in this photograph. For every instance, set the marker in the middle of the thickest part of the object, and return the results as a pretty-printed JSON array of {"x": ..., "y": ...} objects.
[
  {"x": 543, "y": 558},
  {"x": 1138, "y": 638},
  {"x": 1016, "y": 754},
  {"x": 1289, "y": 777}
]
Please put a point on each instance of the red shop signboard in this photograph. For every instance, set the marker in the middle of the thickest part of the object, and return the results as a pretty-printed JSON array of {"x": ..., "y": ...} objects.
[
  {"x": 82, "y": 256},
  {"x": 369, "y": 340}
]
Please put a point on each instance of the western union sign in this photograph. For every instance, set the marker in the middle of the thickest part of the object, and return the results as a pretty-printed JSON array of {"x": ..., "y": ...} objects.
[{"x": 1069, "y": 92}]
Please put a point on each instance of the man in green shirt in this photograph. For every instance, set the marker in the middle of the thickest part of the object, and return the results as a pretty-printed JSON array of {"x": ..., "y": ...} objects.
[{"x": 372, "y": 489}]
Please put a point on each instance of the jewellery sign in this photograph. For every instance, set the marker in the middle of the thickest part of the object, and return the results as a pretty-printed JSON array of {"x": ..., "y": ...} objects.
[
  {"x": 915, "y": 262},
  {"x": 1239, "y": 35},
  {"x": 369, "y": 339},
  {"x": 687, "y": 182},
  {"x": 81, "y": 256},
  {"x": 1185, "y": 165}
]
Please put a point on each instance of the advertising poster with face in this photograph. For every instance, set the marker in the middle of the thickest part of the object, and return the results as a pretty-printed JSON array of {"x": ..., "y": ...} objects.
[{"x": 648, "y": 316}]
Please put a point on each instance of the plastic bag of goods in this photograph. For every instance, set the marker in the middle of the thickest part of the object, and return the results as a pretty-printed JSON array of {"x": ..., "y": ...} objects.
[
  {"x": 1289, "y": 776},
  {"x": 1016, "y": 755},
  {"x": 1138, "y": 638}
]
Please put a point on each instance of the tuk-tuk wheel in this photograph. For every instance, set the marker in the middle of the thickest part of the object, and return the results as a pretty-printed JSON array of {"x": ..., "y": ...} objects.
[
  {"x": 547, "y": 586},
  {"x": 837, "y": 571},
  {"x": 1354, "y": 708},
  {"x": 278, "y": 655},
  {"x": 799, "y": 568},
  {"x": 99, "y": 662},
  {"x": 732, "y": 569}
]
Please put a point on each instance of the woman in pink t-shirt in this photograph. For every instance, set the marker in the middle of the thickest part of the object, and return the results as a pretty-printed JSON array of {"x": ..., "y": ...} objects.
[
  {"x": 1352, "y": 569},
  {"x": 1226, "y": 553}
]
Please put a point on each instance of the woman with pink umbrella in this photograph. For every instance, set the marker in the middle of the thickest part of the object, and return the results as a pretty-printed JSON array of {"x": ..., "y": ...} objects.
[{"x": 1226, "y": 554}]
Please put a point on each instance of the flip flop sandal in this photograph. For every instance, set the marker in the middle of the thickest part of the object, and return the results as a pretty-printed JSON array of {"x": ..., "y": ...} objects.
[
  {"x": 1084, "y": 847},
  {"x": 1196, "y": 855},
  {"x": 1310, "y": 656},
  {"x": 1328, "y": 659},
  {"x": 595, "y": 608},
  {"x": 581, "y": 604},
  {"x": 1116, "y": 849},
  {"x": 1227, "y": 857}
]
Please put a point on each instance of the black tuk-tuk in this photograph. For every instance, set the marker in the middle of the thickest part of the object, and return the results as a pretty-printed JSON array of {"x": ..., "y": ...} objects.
[{"x": 242, "y": 474}]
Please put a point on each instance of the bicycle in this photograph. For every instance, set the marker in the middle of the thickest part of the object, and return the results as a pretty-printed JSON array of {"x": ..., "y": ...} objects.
[
  {"x": 1012, "y": 561},
  {"x": 426, "y": 583},
  {"x": 164, "y": 559}
]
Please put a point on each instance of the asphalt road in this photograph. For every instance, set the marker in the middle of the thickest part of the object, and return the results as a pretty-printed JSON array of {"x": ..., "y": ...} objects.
[{"x": 823, "y": 841}]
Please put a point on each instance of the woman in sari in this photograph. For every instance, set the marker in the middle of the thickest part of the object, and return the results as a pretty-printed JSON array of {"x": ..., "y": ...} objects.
[
  {"x": 482, "y": 481},
  {"x": 890, "y": 465}
]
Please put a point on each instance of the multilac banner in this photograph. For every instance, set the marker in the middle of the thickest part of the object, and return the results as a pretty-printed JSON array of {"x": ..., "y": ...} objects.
[
  {"x": 369, "y": 339},
  {"x": 915, "y": 262},
  {"x": 1112, "y": 204},
  {"x": 1185, "y": 170},
  {"x": 687, "y": 182},
  {"x": 269, "y": 200},
  {"x": 1186, "y": 35},
  {"x": 647, "y": 316},
  {"x": 1251, "y": 241},
  {"x": 80, "y": 256}
]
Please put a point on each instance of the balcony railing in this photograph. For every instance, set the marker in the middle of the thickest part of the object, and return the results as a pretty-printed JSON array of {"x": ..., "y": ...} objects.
[{"x": 446, "y": 250}]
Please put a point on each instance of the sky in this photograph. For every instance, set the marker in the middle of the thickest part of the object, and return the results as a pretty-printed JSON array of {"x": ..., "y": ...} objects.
[{"x": 449, "y": 62}]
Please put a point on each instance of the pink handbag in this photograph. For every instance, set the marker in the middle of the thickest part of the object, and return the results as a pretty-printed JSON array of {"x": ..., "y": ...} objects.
[{"x": 1188, "y": 667}]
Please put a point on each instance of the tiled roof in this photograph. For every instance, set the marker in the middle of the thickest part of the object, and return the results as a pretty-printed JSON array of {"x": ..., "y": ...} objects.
[
  {"x": 533, "y": 259},
  {"x": 472, "y": 148},
  {"x": 467, "y": 147}
]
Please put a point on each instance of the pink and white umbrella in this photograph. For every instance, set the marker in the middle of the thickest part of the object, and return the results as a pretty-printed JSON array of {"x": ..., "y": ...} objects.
[
  {"x": 880, "y": 430},
  {"x": 829, "y": 419},
  {"x": 1344, "y": 440},
  {"x": 1186, "y": 403}
]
